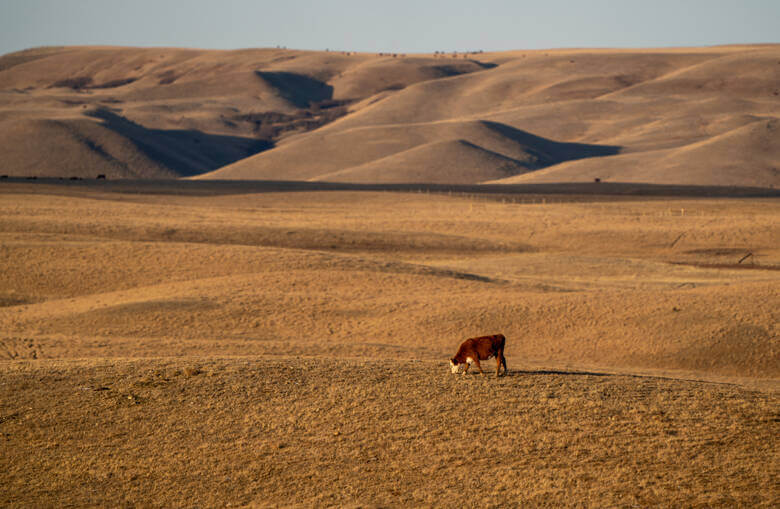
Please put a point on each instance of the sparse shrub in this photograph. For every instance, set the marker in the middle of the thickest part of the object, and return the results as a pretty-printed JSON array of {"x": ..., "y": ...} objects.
[
  {"x": 395, "y": 86},
  {"x": 270, "y": 125},
  {"x": 115, "y": 83},
  {"x": 167, "y": 78},
  {"x": 77, "y": 83}
]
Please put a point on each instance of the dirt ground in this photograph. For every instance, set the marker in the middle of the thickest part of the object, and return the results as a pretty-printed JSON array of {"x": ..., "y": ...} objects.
[{"x": 290, "y": 349}]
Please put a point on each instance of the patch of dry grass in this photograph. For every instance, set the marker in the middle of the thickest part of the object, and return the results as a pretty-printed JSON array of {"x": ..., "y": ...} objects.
[{"x": 300, "y": 431}]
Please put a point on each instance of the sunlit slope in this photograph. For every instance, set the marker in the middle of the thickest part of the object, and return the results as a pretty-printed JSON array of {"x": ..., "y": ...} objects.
[
  {"x": 749, "y": 155},
  {"x": 453, "y": 161}
]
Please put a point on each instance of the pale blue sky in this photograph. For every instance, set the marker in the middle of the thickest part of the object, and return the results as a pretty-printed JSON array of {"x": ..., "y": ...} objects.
[{"x": 391, "y": 25}]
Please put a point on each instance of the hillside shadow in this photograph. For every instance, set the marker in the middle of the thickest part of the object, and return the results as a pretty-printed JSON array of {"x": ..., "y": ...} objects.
[
  {"x": 484, "y": 65},
  {"x": 302, "y": 91},
  {"x": 184, "y": 152},
  {"x": 548, "y": 152}
]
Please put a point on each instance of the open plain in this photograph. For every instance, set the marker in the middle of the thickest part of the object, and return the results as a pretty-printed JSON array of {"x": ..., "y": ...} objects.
[{"x": 190, "y": 346}]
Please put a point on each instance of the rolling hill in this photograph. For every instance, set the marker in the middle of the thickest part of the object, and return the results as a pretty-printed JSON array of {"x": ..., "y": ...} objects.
[{"x": 693, "y": 116}]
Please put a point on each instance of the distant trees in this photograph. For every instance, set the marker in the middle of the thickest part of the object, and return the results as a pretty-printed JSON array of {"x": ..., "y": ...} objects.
[{"x": 455, "y": 54}]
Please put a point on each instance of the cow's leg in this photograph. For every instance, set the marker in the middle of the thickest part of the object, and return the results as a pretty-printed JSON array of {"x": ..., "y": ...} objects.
[
  {"x": 500, "y": 361},
  {"x": 466, "y": 369},
  {"x": 476, "y": 361}
]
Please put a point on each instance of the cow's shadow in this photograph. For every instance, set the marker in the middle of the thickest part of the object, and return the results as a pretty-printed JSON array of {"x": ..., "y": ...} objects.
[
  {"x": 525, "y": 372},
  {"x": 585, "y": 373},
  {"x": 557, "y": 372}
]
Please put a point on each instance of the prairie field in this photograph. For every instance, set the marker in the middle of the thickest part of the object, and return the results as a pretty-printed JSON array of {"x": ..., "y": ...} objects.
[{"x": 290, "y": 348}]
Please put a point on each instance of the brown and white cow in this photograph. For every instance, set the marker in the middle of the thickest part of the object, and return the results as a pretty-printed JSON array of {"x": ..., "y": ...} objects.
[{"x": 478, "y": 349}]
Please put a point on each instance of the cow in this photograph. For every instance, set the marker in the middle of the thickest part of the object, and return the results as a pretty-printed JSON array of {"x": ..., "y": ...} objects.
[{"x": 478, "y": 349}]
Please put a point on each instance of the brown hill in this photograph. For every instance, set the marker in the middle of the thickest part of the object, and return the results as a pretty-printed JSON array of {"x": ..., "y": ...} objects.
[
  {"x": 665, "y": 116},
  {"x": 749, "y": 155},
  {"x": 453, "y": 161}
]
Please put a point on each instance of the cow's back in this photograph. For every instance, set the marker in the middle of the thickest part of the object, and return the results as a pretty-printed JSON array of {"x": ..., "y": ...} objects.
[{"x": 487, "y": 346}]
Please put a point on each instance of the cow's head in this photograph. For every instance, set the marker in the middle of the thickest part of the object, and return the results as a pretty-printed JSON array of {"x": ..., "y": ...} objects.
[{"x": 454, "y": 366}]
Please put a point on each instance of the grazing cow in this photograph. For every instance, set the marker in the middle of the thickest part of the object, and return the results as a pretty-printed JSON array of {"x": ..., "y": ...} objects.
[{"x": 479, "y": 349}]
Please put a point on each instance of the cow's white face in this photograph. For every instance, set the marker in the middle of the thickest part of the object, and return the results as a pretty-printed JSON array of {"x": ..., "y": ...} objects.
[{"x": 454, "y": 368}]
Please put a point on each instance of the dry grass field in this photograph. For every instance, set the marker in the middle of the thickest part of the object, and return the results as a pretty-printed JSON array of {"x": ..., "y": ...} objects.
[{"x": 290, "y": 349}]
